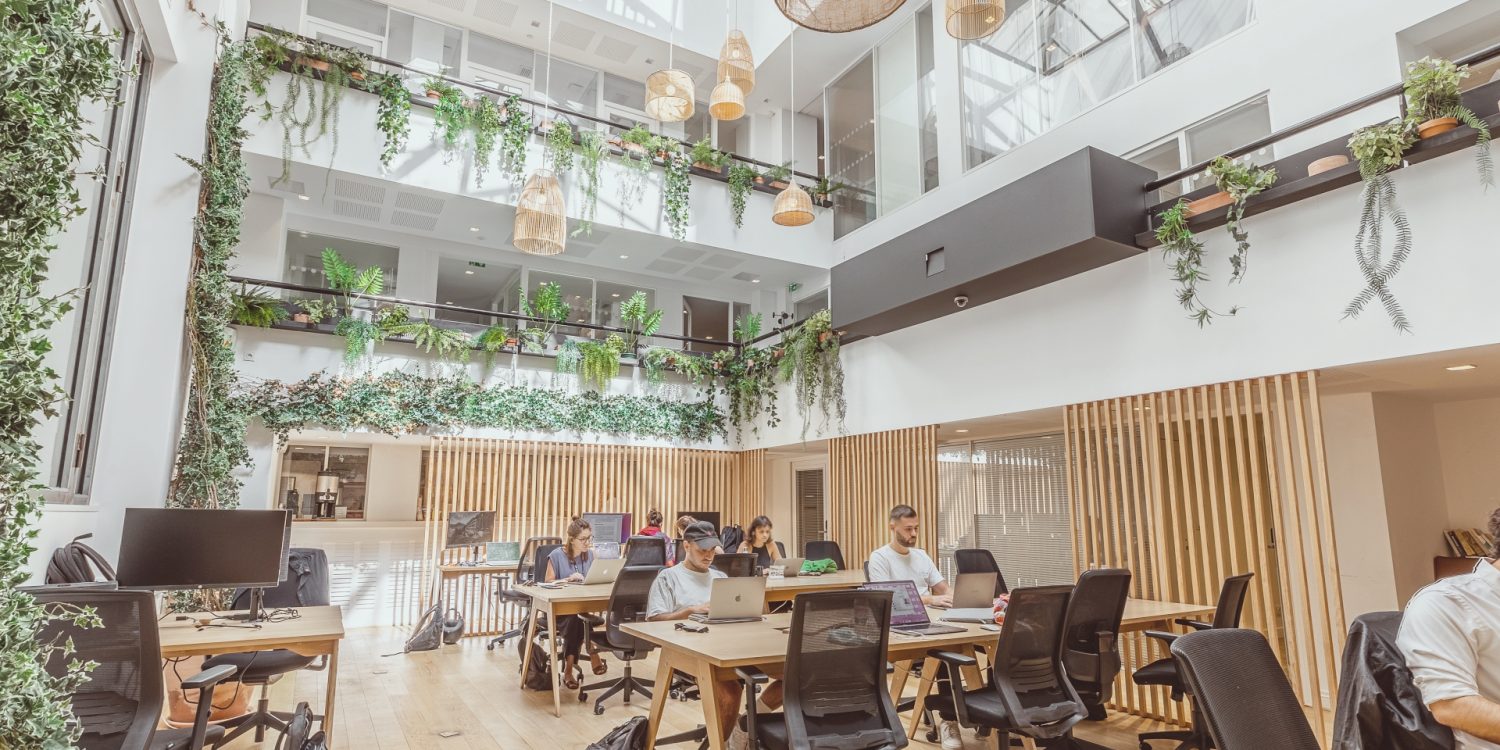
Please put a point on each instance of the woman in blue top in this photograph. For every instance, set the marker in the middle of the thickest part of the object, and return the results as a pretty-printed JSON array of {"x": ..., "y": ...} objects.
[{"x": 571, "y": 562}]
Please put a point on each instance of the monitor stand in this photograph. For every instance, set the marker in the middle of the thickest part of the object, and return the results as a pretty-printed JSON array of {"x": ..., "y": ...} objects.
[{"x": 257, "y": 603}]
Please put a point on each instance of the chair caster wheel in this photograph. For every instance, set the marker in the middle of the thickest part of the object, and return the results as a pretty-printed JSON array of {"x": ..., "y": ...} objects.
[
  {"x": 598, "y": 710},
  {"x": 583, "y": 697},
  {"x": 932, "y": 735},
  {"x": 489, "y": 646},
  {"x": 676, "y": 695}
]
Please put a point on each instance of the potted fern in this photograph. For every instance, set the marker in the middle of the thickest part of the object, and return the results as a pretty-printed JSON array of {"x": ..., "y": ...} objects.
[
  {"x": 1434, "y": 105},
  {"x": 256, "y": 308},
  {"x": 779, "y": 175},
  {"x": 1240, "y": 181},
  {"x": 707, "y": 158},
  {"x": 642, "y": 321},
  {"x": 1380, "y": 149},
  {"x": 549, "y": 307}
]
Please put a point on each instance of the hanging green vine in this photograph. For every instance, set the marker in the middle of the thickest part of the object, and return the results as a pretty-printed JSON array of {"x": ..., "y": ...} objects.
[
  {"x": 393, "y": 117},
  {"x": 516, "y": 133},
  {"x": 749, "y": 379},
  {"x": 676, "y": 188},
  {"x": 560, "y": 149},
  {"x": 484, "y": 117},
  {"x": 809, "y": 360},
  {"x": 305, "y": 105},
  {"x": 1380, "y": 149},
  {"x": 741, "y": 180},
  {"x": 450, "y": 116},
  {"x": 600, "y": 362},
  {"x": 1242, "y": 181},
  {"x": 54, "y": 62},
  {"x": 1185, "y": 252},
  {"x": 591, "y": 150}
]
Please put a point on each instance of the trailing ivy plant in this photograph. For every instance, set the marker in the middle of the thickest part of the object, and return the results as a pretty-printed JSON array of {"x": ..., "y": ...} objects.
[
  {"x": 256, "y": 307},
  {"x": 749, "y": 379},
  {"x": 1185, "y": 252},
  {"x": 655, "y": 361},
  {"x": 600, "y": 361},
  {"x": 484, "y": 118},
  {"x": 317, "y": 310},
  {"x": 809, "y": 360},
  {"x": 591, "y": 150},
  {"x": 1380, "y": 149},
  {"x": 393, "y": 117},
  {"x": 636, "y": 314},
  {"x": 309, "y": 108},
  {"x": 1241, "y": 181},
  {"x": 55, "y": 63},
  {"x": 676, "y": 189},
  {"x": 741, "y": 180},
  {"x": 1433, "y": 91},
  {"x": 515, "y": 134},
  {"x": 450, "y": 115},
  {"x": 547, "y": 304},
  {"x": 560, "y": 149}
]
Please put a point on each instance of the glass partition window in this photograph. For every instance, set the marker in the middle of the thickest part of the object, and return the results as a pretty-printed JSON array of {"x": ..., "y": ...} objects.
[
  {"x": 609, "y": 298},
  {"x": 301, "y": 466},
  {"x": 1205, "y": 140},
  {"x": 571, "y": 86},
  {"x": 577, "y": 293},
  {"x": 1169, "y": 30},
  {"x": 476, "y": 284},
  {"x": 304, "y": 258},
  {"x": 425, "y": 45}
]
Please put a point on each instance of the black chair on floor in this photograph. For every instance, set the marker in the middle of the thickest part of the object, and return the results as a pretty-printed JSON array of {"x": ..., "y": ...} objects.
[
  {"x": 120, "y": 704},
  {"x": 980, "y": 561},
  {"x": 645, "y": 550},
  {"x": 1165, "y": 672},
  {"x": 735, "y": 564},
  {"x": 824, "y": 550},
  {"x": 1240, "y": 692},
  {"x": 627, "y": 603},
  {"x": 525, "y": 571},
  {"x": 1092, "y": 633},
  {"x": 306, "y": 585},
  {"x": 1029, "y": 693},
  {"x": 835, "y": 681}
]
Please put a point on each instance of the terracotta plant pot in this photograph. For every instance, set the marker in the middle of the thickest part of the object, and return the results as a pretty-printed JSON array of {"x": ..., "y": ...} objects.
[
  {"x": 1326, "y": 163},
  {"x": 778, "y": 185},
  {"x": 300, "y": 318},
  {"x": 314, "y": 63},
  {"x": 823, "y": 337},
  {"x": 513, "y": 343},
  {"x": 433, "y": 94},
  {"x": 760, "y": 180},
  {"x": 706, "y": 167},
  {"x": 358, "y": 76},
  {"x": 1436, "y": 126},
  {"x": 633, "y": 148},
  {"x": 1216, "y": 201}
]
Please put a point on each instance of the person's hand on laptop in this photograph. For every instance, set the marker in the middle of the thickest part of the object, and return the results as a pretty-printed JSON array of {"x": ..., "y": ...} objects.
[
  {"x": 938, "y": 600},
  {"x": 575, "y": 578},
  {"x": 701, "y": 609}
]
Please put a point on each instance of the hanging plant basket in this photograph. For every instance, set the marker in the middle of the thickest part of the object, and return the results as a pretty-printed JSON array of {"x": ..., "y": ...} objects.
[
  {"x": 1213, "y": 202},
  {"x": 1436, "y": 126},
  {"x": 1326, "y": 163}
]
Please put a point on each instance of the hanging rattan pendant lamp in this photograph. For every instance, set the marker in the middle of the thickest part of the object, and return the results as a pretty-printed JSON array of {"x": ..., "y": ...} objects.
[
  {"x": 669, "y": 92},
  {"x": 727, "y": 101},
  {"x": 793, "y": 207},
  {"x": 735, "y": 59},
  {"x": 974, "y": 19},
  {"x": 837, "y": 16},
  {"x": 541, "y": 226}
]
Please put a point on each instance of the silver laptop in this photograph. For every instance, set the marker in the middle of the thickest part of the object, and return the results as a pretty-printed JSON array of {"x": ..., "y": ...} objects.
[
  {"x": 604, "y": 571},
  {"x": 792, "y": 566},
  {"x": 735, "y": 600},
  {"x": 973, "y": 599}
]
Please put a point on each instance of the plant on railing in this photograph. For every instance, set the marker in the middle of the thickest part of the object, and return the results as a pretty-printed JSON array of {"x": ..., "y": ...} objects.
[
  {"x": 560, "y": 149},
  {"x": 393, "y": 115},
  {"x": 741, "y": 180},
  {"x": 600, "y": 361},
  {"x": 705, "y": 156},
  {"x": 825, "y": 188},
  {"x": 569, "y": 355},
  {"x": 449, "y": 343},
  {"x": 778, "y": 175},
  {"x": 399, "y": 403},
  {"x": 484, "y": 118},
  {"x": 58, "y": 65},
  {"x": 591, "y": 150},
  {"x": 348, "y": 280},
  {"x": 636, "y": 314},
  {"x": 809, "y": 359},
  {"x": 515, "y": 135},
  {"x": 655, "y": 361},
  {"x": 494, "y": 340},
  {"x": 1185, "y": 252},
  {"x": 304, "y": 105},
  {"x": 317, "y": 310},
  {"x": 548, "y": 305},
  {"x": 749, "y": 378},
  {"x": 256, "y": 308},
  {"x": 1379, "y": 149},
  {"x": 1240, "y": 180},
  {"x": 450, "y": 114},
  {"x": 676, "y": 188},
  {"x": 1433, "y": 89}
]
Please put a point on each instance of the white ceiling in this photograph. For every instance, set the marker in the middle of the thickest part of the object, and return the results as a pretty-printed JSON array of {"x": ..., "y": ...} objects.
[{"x": 1425, "y": 376}]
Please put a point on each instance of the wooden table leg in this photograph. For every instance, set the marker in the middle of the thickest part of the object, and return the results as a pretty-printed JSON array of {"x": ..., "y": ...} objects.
[
  {"x": 659, "y": 697},
  {"x": 929, "y": 673},
  {"x": 898, "y": 680},
  {"x": 333, "y": 683},
  {"x": 709, "y": 690},
  {"x": 552, "y": 639}
]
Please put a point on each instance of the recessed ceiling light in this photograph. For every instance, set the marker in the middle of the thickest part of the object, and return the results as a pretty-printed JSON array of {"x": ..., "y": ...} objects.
[
  {"x": 473, "y": 229},
  {"x": 709, "y": 337},
  {"x": 1460, "y": 368},
  {"x": 449, "y": 302},
  {"x": 304, "y": 234},
  {"x": 616, "y": 294},
  {"x": 303, "y": 198},
  {"x": 755, "y": 281},
  {"x": 1052, "y": 47},
  {"x": 961, "y": 431},
  {"x": 468, "y": 273},
  {"x": 624, "y": 257}
]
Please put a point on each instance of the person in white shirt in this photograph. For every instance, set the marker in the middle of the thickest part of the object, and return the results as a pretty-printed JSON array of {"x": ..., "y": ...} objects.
[{"x": 1450, "y": 636}]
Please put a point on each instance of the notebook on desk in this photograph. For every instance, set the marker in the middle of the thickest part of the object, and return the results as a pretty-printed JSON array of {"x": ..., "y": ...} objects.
[{"x": 735, "y": 600}]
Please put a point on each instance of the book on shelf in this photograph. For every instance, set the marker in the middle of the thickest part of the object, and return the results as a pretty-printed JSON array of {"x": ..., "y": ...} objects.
[{"x": 1469, "y": 542}]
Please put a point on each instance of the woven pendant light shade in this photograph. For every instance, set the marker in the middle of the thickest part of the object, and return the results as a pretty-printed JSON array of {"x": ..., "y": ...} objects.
[
  {"x": 793, "y": 207},
  {"x": 541, "y": 219},
  {"x": 837, "y": 15},
  {"x": 727, "y": 101},
  {"x": 974, "y": 19},
  {"x": 736, "y": 63},
  {"x": 669, "y": 95}
]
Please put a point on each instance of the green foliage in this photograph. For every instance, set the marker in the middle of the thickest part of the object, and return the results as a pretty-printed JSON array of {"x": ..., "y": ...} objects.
[
  {"x": 515, "y": 135},
  {"x": 449, "y": 343},
  {"x": 809, "y": 360},
  {"x": 600, "y": 361},
  {"x": 346, "y": 279},
  {"x": 637, "y": 315},
  {"x": 494, "y": 340},
  {"x": 1433, "y": 90},
  {"x": 655, "y": 361},
  {"x": 318, "y": 310},
  {"x": 1185, "y": 252},
  {"x": 568, "y": 357},
  {"x": 560, "y": 149},
  {"x": 780, "y": 173},
  {"x": 393, "y": 118},
  {"x": 358, "y": 335},
  {"x": 640, "y": 136},
  {"x": 826, "y": 187},
  {"x": 749, "y": 379},
  {"x": 256, "y": 308},
  {"x": 741, "y": 179},
  {"x": 1379, "y": 149},
  {"x": 484, "y": 118},
  {"x": 591, "y": 150},
  {"x": 1241, "y": 181},
  {"x": 55, "y": 64},
  {"x": 450, "y": 115},
  {"x": 397, "y": 403},
  {"x": 676, "y": 189},
  {"x": 706, "y": 156},
  {"x": 547, "y": 304},
  {"x": 309, "y": 107}
]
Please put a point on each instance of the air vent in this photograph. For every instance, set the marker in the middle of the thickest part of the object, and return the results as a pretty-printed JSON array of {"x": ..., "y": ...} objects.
[
  {"x": 705, "y": 274},
  {"x": 664, "y": 266},
  {"x": 498, "y": 11},
  {"x": 359, "y": 191},
  {"x": 416, "y": 202},
  {"x": 685, "y": 254},
  {"x": 363, "y": 211},
  {"x": 722, "y": 262},
  {"x": 570, "y": 34},
  {"x": 611, "y": 48},
  {"x": 458, "y": 5},
  {"x": 424, "y": 222},
  {"x": 288, "y": 186}
]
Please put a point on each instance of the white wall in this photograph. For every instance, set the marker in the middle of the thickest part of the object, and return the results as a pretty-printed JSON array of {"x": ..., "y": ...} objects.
[
  {"x": 1366, "y": 571},
  {"x": 1469, "y": 437},
  {"x": 1412, "y": 472}
]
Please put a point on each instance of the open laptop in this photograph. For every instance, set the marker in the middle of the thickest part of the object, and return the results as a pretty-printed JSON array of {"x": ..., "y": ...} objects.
[
  {"x": 973, "y": 599},
  {"x": 908, "y": 614},
  {"x": 735, "y": 600},
  {"x": 604, "y": 571},
  {"x": 792, "y": 566}
]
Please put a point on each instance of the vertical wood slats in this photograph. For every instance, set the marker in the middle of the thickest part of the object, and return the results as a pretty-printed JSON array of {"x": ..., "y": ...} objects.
[
  {"x": 868, "y": 475},
  {"x": 536, "y": 487},
  {"x": 1188, "y": 487}
]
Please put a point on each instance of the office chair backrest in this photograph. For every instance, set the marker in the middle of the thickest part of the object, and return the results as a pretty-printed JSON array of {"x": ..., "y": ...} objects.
[
  {"x": 1027, "y": 669},
  {"x": 306, "y": 583},
  {"x": 527, "y": 570},
  {"x": 539, "y": 558},
  {"x": 1241, "y": 690},
  {"x": 627, "y": 603},
  {"x": 866, "y": 567},
  {"x": 645, "y": 550},
  {"x": 835, "y": 671},
  {"x": 1232, "y": 600},
  {"x": 677, "y": 550},
  {"x": 735, "y": 564},
  {"x": 1092, "y": 628},
  {"x": 823, "y": 549},
  {"x": 980, "y": 561},
  {"x": 120, "y": 703}
]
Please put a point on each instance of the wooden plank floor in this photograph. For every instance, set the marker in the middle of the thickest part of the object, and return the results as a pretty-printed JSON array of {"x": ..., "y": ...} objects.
[{"x": 410, "y": 702}]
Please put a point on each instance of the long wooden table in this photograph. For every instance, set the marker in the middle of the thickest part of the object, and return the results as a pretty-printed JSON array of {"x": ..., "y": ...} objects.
[{"x": 315, "y": 632}]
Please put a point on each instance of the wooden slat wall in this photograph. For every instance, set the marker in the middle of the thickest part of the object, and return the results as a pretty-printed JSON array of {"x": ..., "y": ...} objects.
[
  {"x": 870, "y": 473},
  {"x": 1189, "y": 487},
  {"x": 536, "y": 487}
]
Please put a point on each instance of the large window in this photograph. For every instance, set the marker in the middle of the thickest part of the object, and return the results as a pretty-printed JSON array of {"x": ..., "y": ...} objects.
[
  {"x": 1196, "y": 143},
  {"x": 343, "y": 470},
  {"x": 304, "y": 258}
]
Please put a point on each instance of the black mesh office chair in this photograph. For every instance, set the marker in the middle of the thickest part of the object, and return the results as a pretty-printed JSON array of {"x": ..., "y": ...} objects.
[
  {"x": 645, "y": 550},
  {"x": 980, "y": 561},
  {"x": 824, "y": 550},
  {"x": 1029, "y": 693},
  {"x": 306, "y": 585},
  {"x": 1165, "y": 672},
  {"x": 735, "y": 564},
  {"x": 120, "y": 704},
  {"x": 1240, "y": 691},
  {"x": 627, "y": 603},
  {"x": 1092, "y": 633},
  {"x": 526, "y": 570},
  {"x": 835, "y": 681}
]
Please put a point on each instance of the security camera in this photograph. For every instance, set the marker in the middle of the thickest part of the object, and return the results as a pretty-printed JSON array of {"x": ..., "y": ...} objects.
[{"x": 961, "y": 301}]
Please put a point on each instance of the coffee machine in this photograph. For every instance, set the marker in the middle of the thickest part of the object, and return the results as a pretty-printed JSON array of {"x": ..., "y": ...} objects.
[{"x": 327, "y": 494}]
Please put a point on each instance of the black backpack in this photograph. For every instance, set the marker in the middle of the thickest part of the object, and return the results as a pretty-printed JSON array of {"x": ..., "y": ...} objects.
[
  {"x": 539, "y": 672},
  {"x": 731, "y": 536},
  {"x": 428, "y": 634},
  {"x": 76, "y": 562},
  {"x": 628, "y": 736},
  {"x": 299, "y": 732}
]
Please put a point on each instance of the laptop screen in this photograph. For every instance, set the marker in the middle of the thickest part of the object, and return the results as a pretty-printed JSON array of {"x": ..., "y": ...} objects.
[{"x": 906, "y": 601}]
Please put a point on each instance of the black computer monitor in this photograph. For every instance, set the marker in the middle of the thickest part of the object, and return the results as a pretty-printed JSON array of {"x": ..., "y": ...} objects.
[
  {"x": 470, "y": 528},
  {"x": 711, "y": 516},
  {"x": 200, "y": 548},
  {"x": 609, "y": 527}
]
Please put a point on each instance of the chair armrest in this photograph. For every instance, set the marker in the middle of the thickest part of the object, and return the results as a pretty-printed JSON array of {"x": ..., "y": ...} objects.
[
  {"x": 752, "y": 675},
  {"x": 956, "y": 659},
  {"x": 319, "y": 665},
  {"x": 1163, "y": 636},
  {"x": 953, "y": 664},
  {"x": 204, "y": 682},
  {"x": 209, "y": 677},
  {"x": 753, "y": 679},
  {"x": 1195, "y": 624}
]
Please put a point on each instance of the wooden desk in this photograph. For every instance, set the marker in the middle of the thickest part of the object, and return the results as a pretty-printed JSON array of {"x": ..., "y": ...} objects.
[
  {"x": 456, "y": 571},
  {"x": 572, "y": 599},
  {"x": 316, "y": 632},
  {"x": 1147, "y": 614},
  {"x": 787, "y": 589}
]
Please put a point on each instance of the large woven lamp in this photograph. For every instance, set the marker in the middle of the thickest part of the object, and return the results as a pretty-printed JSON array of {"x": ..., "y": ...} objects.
[
  {"x": 974, "y": 19},
  {"x": 669, "y": 95},
  {"x": 736, "y": 63},
  {"x": 727, "y": 101},
  {"x": 541, "y": 218},
  {"x": 838, "y": 16},
  {"x": 793, "y": 207}
]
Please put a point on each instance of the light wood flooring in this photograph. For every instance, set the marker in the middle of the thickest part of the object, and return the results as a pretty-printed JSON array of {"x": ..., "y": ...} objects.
[{"x": 412, "y": 701}]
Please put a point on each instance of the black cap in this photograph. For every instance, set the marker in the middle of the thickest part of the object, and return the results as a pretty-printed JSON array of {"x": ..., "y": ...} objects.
[{"x": 702, "y": 534}]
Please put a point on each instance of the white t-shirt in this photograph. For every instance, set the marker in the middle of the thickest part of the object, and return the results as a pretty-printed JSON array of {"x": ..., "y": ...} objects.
[
  {"x": 677, "y": 587},
  {"x": 887, "y": 564},
  {"x": 1450, "y": 636}
]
